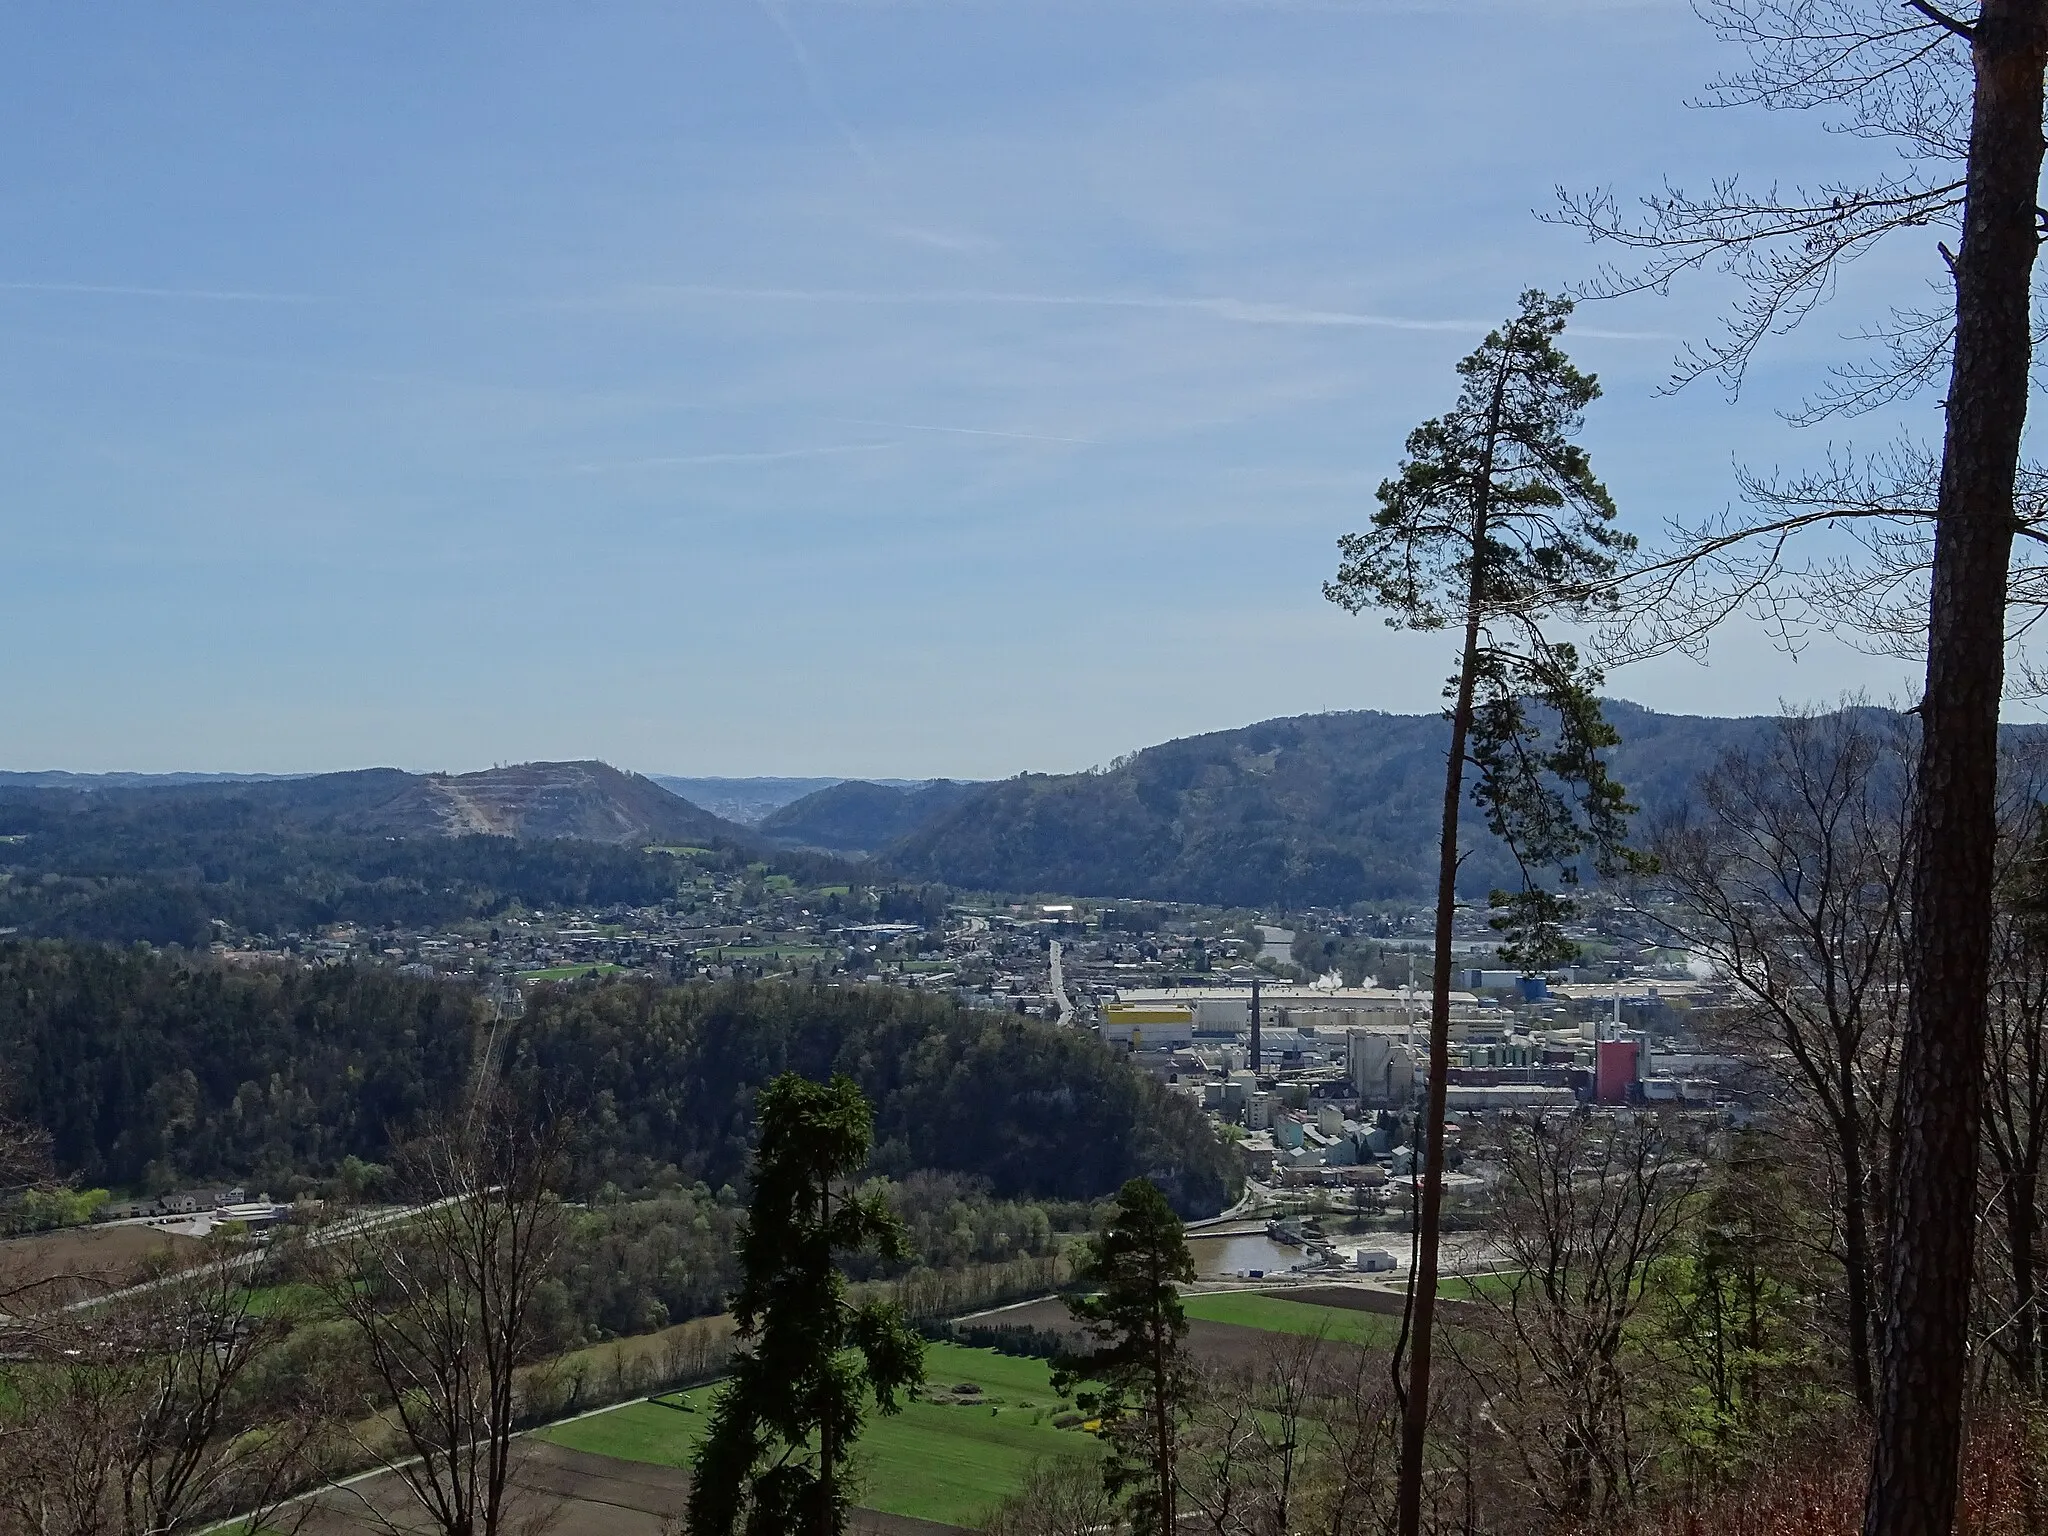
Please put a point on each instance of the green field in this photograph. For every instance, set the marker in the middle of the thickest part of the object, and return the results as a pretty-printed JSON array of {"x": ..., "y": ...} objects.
[
  {"x": 1495, "y": 1286},
  {"x": 1272, "y": 1314},
  {"x": 298, "y": 1299},
  {"x": 568, "y": 972},
  {"x": 933, "y": 1461}
]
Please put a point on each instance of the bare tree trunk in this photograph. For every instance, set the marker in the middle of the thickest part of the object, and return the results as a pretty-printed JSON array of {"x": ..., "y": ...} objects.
[
  {"x": 440, "y": 1302},
  {"x": 1418, "y": 1323},
  {"x": 1856, "y": 1267},
  {"x": 1914, "y": 1462},
  {"x": 2022, "y": 1232},
  {"x": 1422, "y": 1279}
]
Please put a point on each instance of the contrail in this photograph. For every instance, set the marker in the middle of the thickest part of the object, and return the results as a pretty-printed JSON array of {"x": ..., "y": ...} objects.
[
  {"x": 132, "y": 291},
  {"x": 814, "y": 83},
  {"x": 1236, "y": 310}
]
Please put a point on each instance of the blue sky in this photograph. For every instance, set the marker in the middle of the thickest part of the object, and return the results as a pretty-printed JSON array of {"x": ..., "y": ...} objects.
[{"x": 720, "y": 386}]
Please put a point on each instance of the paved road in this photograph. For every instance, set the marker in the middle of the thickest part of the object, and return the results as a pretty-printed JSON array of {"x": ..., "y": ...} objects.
[{"x": 1059, "y": 986}]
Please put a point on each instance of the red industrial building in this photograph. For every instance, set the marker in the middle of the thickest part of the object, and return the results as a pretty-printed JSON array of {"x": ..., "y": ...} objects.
[{"x": 1614, "y": 1072}]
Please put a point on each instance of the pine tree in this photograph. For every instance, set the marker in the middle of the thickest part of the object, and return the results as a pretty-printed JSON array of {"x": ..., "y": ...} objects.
[
  {"x": 1138, "y": 1377},
  {"x": 782, "y": 1429},
  {"x": 1494, "y": 525}
]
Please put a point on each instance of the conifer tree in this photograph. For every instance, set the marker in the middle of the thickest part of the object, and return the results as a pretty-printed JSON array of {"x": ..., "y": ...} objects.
[
  {"x": 1494, "y": 526},
  {"x": 782, "y": 1429},
  {"x": 1137, "y": 1378}
]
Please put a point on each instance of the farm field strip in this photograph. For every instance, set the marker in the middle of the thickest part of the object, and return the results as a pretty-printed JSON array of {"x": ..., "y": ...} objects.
[
  {"x": 946, "y": 1462},
  {"x": 1274, "y": 1314}
]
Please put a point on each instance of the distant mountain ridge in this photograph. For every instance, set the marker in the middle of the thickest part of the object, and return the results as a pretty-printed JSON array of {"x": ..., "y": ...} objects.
[
  {"x": 748, "y": 802},
  {"x": 1306, "y": 810},
  {"x": 587, "y": 801},
  {"x": 1309, "y": 810},
  {"x": 57, "y": 778},
  {"x": 858, "y": 816},
  {"x": 161, "y": 863},
  {"x": 740, "y": 801}
]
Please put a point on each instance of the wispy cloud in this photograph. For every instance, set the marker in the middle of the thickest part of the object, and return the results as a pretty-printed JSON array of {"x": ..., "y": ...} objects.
[
  {"x": 136, "y": 291},
  {"x": 941, "y": 239},
  {"x": 912, "y": 426},
  {"x": 1236, "y": 310},
  {"x": 771, "y": 456}
]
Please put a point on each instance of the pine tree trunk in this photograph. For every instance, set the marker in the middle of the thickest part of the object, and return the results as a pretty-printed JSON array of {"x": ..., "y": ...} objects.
[
  {"x": 1419, "y": 1323},
  {"x": 1429, "y": 1219},
  {"x": 1162, "y": 1342},
  {"x": 1914, "y": 1461}
]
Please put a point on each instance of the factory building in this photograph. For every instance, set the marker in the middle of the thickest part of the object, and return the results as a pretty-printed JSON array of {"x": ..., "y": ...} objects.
[
  {"x": 1148, "y": 1026},
  {"x": 1382, "y": 1070}
]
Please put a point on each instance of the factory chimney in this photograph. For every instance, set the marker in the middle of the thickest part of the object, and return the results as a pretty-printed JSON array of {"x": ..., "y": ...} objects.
[{"x": 1257, "y": 1059}]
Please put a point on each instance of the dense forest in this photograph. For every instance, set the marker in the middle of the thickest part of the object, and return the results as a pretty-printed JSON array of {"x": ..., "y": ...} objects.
[
  {"x": 665, "y": 1074},
  {"x": 148, "y": 1070}
]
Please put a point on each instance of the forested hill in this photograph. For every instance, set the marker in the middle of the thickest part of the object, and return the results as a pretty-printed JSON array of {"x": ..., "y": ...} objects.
[
  {"x": 1316, "y": 809},
  {"x": 146, "y": 1069},
  {"x": 858, "y": 817},
  {"x": 588, "y": 801},
  {"x": 159, "y": 863}
]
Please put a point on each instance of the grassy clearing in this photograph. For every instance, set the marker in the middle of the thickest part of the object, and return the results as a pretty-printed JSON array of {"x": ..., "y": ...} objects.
[
  {"x": 1491, "y": 1287},
  {"x": 944, "y": 1461},
  {"x": 1272, "y": 1314},
  {"x": 569, "y": 972},
  {"x": 297, "y": 1300}
]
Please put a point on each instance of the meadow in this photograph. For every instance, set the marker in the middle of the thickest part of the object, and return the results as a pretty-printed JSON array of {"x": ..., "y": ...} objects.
[
  {"x": 949, "y": 1456},
  {"x": 1274, "y": 1314}
]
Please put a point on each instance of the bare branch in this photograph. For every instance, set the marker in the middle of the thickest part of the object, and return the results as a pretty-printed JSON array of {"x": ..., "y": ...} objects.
[{"x": 1942, "y": 18}]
